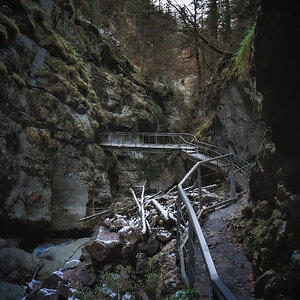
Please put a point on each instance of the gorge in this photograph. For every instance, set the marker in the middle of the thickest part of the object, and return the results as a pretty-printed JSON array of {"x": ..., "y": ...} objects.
[{"x": 72, "y": 71}]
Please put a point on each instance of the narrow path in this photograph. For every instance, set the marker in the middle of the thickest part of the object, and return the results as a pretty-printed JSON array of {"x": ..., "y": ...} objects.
[
  {"x": 222, "y": 252},
  {"x": 229, "y": 256}
]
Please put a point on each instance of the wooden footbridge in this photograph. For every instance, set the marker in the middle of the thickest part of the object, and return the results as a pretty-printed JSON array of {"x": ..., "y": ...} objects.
[{"x": 232, "y": 168}]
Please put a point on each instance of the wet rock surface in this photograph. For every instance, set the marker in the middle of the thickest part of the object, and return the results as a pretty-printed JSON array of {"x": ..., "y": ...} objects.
[
  {"x": 56, "y": 100},
  {"x": 228, "y": 254}
]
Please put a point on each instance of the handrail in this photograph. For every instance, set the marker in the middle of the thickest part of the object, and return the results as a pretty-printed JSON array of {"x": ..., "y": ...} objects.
[
  {"x": 195, "y": 230},
  {"x": 193, "y": 149}
]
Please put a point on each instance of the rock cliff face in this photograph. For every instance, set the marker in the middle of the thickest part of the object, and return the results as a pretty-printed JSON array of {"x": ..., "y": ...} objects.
[
  {"x": 234, "y": 120},
  {"x": 240, "y": 128},
  {"x": 63, "y": 82},
  {"x": 272, "y": 230}
]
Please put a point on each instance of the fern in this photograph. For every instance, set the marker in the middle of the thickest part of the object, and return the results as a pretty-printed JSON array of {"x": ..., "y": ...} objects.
[{"x": 243, "y": 58}]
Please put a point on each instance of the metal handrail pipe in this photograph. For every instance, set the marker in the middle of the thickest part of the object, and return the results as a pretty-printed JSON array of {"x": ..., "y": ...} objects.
[
  {"x": 217, "y": 284},
  {"x": 200, "y": 163}
]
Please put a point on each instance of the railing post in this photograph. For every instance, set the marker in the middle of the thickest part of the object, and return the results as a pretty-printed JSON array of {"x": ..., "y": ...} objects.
[
  {"x": 199, "y": 186},
  {"x": 178, "y": 203},
  {"x": 232, "y": 179},
  {"x": 191, "y": 255}
]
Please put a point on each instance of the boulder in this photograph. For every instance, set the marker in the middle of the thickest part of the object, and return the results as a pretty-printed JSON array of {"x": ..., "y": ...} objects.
[
  {"x": 17, "y": 266},
  {"x": 10, "y": 291},
  {"x": 82, "y": 275},
  {"x": 104, "y": 245},
  {"x": 151, "y": 246}
]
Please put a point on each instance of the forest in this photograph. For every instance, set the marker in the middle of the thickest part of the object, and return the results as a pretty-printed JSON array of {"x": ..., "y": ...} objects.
[{"x": 148, "y": 149}]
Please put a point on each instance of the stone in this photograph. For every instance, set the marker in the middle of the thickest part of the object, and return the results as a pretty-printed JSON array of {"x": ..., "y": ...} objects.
[
  {"x": 128, "y": 296},
  {"x": 10, "y": 291},
  {"x": 48, "y": 267},
  {"x": 82, "y": 275},
  {"x": 235, "y": 107},
  {"x": 41, "y": 294},
  {"x": 72, "y": 264},
  {"x": 51, "y": 282},
  {"x": 104, "y": 245},
  {"x": 295, "y": 258},
  {"x": 17, "y": 266},
  {"x": 108, "y": 222},
  {"x": 120, "y": 223},
  {"x": 151, "y": 246},
  {"x": 164, "y": 236},
  {"x": 142, "y": 266}
]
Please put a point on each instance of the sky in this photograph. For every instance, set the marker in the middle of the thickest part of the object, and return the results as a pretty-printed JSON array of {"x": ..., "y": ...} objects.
[{"x": 186, "y": 2}]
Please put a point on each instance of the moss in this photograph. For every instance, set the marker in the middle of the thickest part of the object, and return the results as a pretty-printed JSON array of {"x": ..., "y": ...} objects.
[
  {"x": 260, "y": 229},
  {"x": 3, "y": 70},
  {"x": 243, "y": 58},
  {"x": 37, "y": 14},
  {"x": 19, "y": 80},
  {"x": 94, "y": 124},
  {"x": 59, "y": 47},
  {"x": 11, "y": 27},
  {"x": 39, "y": 137},
  {"x": 67, "y": 5},
  {"x": 206, "y": 129},
  {"x": 3, "y": 35}
]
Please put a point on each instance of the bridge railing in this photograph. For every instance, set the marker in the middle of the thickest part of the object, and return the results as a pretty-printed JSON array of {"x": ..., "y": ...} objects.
[
  {"x": 184, "y": 141},
  {"x": 145, "y": 138}
]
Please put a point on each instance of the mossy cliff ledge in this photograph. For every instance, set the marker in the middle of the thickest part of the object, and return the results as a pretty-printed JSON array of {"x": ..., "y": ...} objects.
[{"x": 63, "y": 82}]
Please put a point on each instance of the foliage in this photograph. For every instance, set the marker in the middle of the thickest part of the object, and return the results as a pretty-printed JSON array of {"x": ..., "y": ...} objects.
[
  {"x": 243, "y": 58},
  {"x": 11, "y": 27},
  {"x": 3, "y": 35},
  {"x": 186, "y": 294},
  {"x": 19, "y": 80},
  {"x": 260, "y": 228},
  {"x": 3, "y": 70}
]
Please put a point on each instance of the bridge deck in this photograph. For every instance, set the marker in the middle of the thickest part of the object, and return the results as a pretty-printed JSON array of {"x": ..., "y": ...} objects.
[{"x": 147, "y": 147}]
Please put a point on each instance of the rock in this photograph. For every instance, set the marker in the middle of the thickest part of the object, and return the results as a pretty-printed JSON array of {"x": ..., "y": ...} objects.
[
  {"x": 151, "y": 246},
  {"x": 10, "y": 291},
  {"x": 52, "y": 287},
  {"x": 165, "y": 265},
  {"x": 48, "y": 267},
  {"x": 120, "y": 223},
  {"x": 164, "y": 236},
  {"x": 51, "y": 282},
  {"x": 17, "y": 266},
  {"x": 41, "y": 294},
  {"x": 2, "y": 242},
  {"x": 235, "y": 107},
  {"x": 129, "y": 235},
  {"x": 142, "y": 266},
  {"x": 71, "y": 264},
  {"x": 128, "y": 296},
  {"x": 295, "y": 258},
  {"x": 82, "y": 275},
  {"x": 104, "y": 245},
  {"x": 261, "y": 282},
  {"x": 108, "y": 222}
]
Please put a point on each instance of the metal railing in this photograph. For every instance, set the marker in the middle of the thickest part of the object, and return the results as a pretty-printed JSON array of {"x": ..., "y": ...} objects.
[
  {"x": 189, "y": 229},
  {"x": 234, "y": 171},
  {"x": 167, "y": 141}
]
